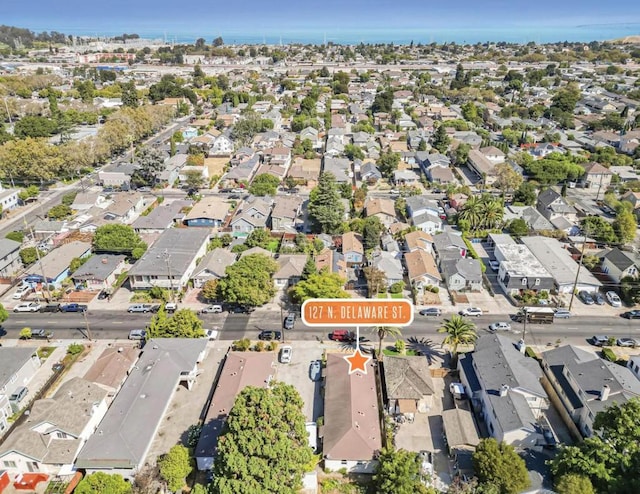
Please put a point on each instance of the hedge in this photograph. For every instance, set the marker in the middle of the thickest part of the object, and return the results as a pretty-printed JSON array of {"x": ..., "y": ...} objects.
[{"x": 609, "y": 354}]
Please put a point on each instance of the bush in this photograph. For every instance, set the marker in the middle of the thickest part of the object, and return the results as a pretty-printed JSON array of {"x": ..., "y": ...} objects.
[
  {"x": 193, "y": 435},
  {"x": 75, "y": 349},
  {"x": 530, "y": 352},
  {"x": 400, "y": 346},
  {"x": 259, "y": 347},
  {"x": 272, "y": 346},
  {"x": 609, "y": 355},
  {"x": 397, "y": 287},
  {"x": 25, "y": 334},
  {"x": 158, "y": 293},
  {"x": 435, "y": 289},
  {"x": 241, "y": 345}
]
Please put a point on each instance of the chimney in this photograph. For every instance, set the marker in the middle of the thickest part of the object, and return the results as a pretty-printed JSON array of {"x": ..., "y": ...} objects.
[
  {"x": 504, "y": 389},
  {"x": 604, "y": 393}
]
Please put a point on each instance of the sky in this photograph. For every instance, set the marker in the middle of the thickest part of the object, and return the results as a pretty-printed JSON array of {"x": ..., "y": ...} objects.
[{"x": 244, "y": 16}]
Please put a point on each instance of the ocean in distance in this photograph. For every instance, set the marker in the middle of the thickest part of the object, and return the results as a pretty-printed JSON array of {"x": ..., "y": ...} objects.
[{"x": 537, "y": 34}]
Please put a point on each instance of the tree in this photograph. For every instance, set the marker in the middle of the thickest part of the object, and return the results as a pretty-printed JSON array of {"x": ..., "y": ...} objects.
[
  {"x": 422, "y": 146},
  {"x": 382, "y": 102},
  {"x": 34, "y": 126},
  {"x": 526, "y": 194},
  {"x": 29, "y": 255},
  {"x": 371, "y": 232},
  {"x": 518, "y": 227},
  {"x": 264, "y": 184},
  {"x": 210, "y": 289},
  {"x": 383, "y": 332},
  {"x": 325, "y": 208},
  {"x": 194, "y": 179},
  {"x": 388, "y": 162},
  {"x": 599, "y": 229},
  {"x": 184, "y": 323},
  {"x": 630, "y": 289},
  {"x": 319, "y": 285},
  {"x": 441, "y": 139},
  {"x": 507, "y": 179},
  {"x": 118, "y": 239},
  {"x": 218, "y": 42},
  {"x": 461, "y": 153},
  {"x": 151, "y": 163},
  {"x": 353, "y": 152},
  {"x": 625, "y": 226},
  {"x": 59, "y": 212},
  {"x": 459, "y": 332},
  {"x": 399, "y": 471},
  {"x": 572, "y": 483},
  {"x": 175, "y": 466},
  {"x": 129, "y": 94},
  {"x": 500, "y": 465},
  {"x": 16, "y": 236},
  {"x": 4, "y": 315},
  {"x": 309, "y": 269},
  {"x": 103, "y": 483},
  {"x": 376, "y": 280},
  {"x": 271, "y": 455},
  {"x": 25, "y": 334},
  {"x": 248, "y": 281},
  {"x": 30, "y": 192},
  {"x": 259, "y": 237}
]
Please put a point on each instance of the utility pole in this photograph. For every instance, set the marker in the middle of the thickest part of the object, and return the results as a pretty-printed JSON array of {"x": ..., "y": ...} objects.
[
  {"x": 44, "y": 277},
  {"x": 167, "y": 258},
  {"x": 524, "y": 327},
  {"x": 575, "y": 282},
  {"x": 86, "y": 323}
]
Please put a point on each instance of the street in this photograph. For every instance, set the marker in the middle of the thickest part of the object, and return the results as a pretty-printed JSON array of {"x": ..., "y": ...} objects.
[{"x": 117, "y": 324}]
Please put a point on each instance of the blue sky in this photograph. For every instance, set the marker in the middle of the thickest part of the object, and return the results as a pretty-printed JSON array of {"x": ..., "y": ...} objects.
[{"x": 292, "y": 15}]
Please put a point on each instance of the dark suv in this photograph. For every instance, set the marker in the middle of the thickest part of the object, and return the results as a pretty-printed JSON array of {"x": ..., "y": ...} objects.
[
  {"x": 269, "y": 335},
  {"x": 41, "y": 334},
  {"x": 632, "y": 314}
]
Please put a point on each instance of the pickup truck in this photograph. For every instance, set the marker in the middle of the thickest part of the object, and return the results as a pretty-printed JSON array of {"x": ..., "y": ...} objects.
[
  {"x": 73, "y": 308},
  {"x": 144, "y": 308}
]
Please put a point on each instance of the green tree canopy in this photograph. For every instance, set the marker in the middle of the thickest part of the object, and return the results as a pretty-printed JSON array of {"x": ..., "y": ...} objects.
[
  {"x": 388, "y": 162},
  {"x": 4, "y": 315},
  {"x": 325, "y": 209},
  {"x": 319, "y": 285},
  {"x": 625, "y": 226},
  {"x": 574, "y": 484},
  {"x": 16, "y": 236},
  {"x": 210, "y": 289},
  {"x": 526, "y": 194},
  {"x": 399, "y": 471},
  {"x": 248, "y": 281},
  {"x": 371, "y": 232},
  {"x": 459, "y": 332},
  {"x": 103, "y": 483},
  {"x": 598, "y": 228},
  {"x": 441, "y": 139},
  {"x": 59, "y": 212},
  {"x": 118, "y": 239},
  {"x": 264, "y": 184},
  {"x": 500, "y": 465},
  {"x": 175, "y": 466},
  {"x": 184, "y": 323},
  {"x": 263, "y": 448}
]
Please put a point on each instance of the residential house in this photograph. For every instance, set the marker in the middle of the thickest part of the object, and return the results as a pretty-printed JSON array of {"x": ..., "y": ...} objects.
[
  {"x": 86, "y": 200},
  {"x": 172, "y": 167},
  {"x": 213, "y": 266},
  {"x": 278, "y": 156},
  {"x": 427, "y": 222},
  {"x": 388, "y": 243},
  {"x": 482, "y": 166},
  {"x": 369, "y": 173},
  {"x": 587, "y": 384},
  {"x": 405, "y": 177},
  {"x": 311, "y": 134},
  {"x": 340, "y": 168},
  {"x": 382, "y": 208},
  {"x": 418, "y": 240},
  {"x": 456, "y": 201},
  {"x": 352, "y": 249},
  {"x": 124, "y": 207},
  {"x": 45, "y": 229},
  {"x": 421, "y": 204},
  {"x": 493, "y": 154},
  {"x": 597, "y": 176},
  {"x": 162, "y": 217},
  {"x": 17, "y": 368},
  {"x": 9, "y": 198},
  {"x": 531, "y": 216},
  {"x": 619, "y": 264},
  {"x": 275, "y": 116},
  {"x": 222, "y": 146},
  {"x": 633, "y": 198},
  {"x": 55, "y": 430},
  {"x": 553, "y": 206},
  {"x": 112, "y": 367},
  {"x": 390, "y": 264},
  {"x": 9, "y": 257},
  {"x": 253, "y": 213},
  {"x": 449, "y": 245},
  {"x": 333, "y": 261},
  {"x": 171, "y": 260},
  {"x": 305, "y": 172},
  {"x": 286, "y": 210},
  {"x": 462, "y": 274},
  {"x": 351, "y": 434},
  {"x": 198, "y": 171},
  {"x": 290, "y": 268},
  {"x": 114, "y": 179},
  {"x": 421, "y": 269},
  {"x": 55, "y": 265},
  {"x": 408, "y": 385},
  {"x": 121, "y": 446},
  {"x": 209, "y": 211},
  {"x": 240, "y": 369},
  {"x": 100, "y": 271},
  {"x": 558, "y": 262},
  {"x": 256, "y": 250},
  {"x": 243, "y": 171},
  {"x": 504, "y": 386}
]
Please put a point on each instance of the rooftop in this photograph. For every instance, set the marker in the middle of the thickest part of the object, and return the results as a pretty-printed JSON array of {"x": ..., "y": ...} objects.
[
  {"x": 98, "y": 267},
  {"x": 12, "y": 359}
]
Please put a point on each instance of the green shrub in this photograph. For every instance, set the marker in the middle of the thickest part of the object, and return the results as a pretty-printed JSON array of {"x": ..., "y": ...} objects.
[
  {"x": 75, "y": 349},
  {"x": 259, "y": 347},
  {"x": 529, "y": 352},
  {"x": 435, "y": 289},
  {"x": 272, "y": 346},
  {"x": 241, "y": 345},
  {"x": 16, "y": 236},
  {"x": 397, "y": 287},
  {"x": 400, "y": 346},
  {"x": 609, "y": 355}
]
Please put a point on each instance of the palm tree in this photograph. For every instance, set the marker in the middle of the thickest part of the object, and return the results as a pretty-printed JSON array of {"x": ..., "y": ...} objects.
[
  {"x": 472, "y": 212},
  {"x": 459, "y": 332},
  {"x": 492, "y": 211},
  {"x": 383, "y": 332}
]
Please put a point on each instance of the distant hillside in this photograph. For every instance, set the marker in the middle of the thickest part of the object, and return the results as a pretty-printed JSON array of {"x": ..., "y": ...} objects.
[
  {"x": 629, "y": 40},
  {"x": 18, "y": 38}
]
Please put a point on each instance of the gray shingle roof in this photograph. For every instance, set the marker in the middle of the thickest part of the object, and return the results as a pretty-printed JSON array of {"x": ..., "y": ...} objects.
[
  {"x": 12, "y": 360},
  {"x": 98, "y": 267},
  {"x": 215, "y": 262},
  {"x": 407, "y": 377}
]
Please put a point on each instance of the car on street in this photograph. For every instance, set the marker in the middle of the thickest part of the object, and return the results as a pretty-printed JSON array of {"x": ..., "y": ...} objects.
[
  {"x": 599, "y": 340},
  {"x": 315, "y": 370},
  {"x": 613, "y": 299},
  {"x": 562, "y": 314},
  {"x": 73, "y": 308},
  {"x": 137, "y": 334},
  {"x": 27, "y": 307},
  {"x": 471, "y": 312},
  {"x": 19, "y": 394},
  {"x": 494, "y": 265},
  {"x": 289, "y": 321},
  {"x": 431, "y": 311},
  {"x": 212, "y": 309},
  {"x": 144, "y": 308},
  {"x": 268, "y": 335},
  {"x": 239, "y": 309},
  {"x": 632, "y": 314},
  {"x": 21, "y": 292},
  {"x": 41, "y": 334},
  {"x": 342, "y": 335},
  {"x": 627, "y": 342},
  {"x": 102, "y": 295},
  {"x": 598, "y": 298},
  {"x": 285, "y": 354},
  {"x": 50, "y": 308},
  {"x": 585, "y": 297},
  {"x": 170, "y": 307},
  {"x": 499, "y": 326}
]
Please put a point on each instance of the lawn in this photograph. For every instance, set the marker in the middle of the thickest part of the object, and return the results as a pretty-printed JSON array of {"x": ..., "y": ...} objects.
[
  {"x": 390, "y": 295},
  {"x": 273, "y": 246},
  {"x": 45, "y": 351},
  {"x": 393, "y": 353}
]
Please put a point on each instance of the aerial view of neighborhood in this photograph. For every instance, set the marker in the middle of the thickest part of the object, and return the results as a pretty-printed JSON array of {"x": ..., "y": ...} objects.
[{"x": 278, "y": 267}]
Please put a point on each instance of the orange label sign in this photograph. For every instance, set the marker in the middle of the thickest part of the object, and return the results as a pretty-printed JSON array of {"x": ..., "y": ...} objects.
[{"x": 357, "y": 312}]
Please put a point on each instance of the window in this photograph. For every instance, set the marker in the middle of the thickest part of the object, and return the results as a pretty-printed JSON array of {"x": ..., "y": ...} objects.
[
  {"x": 524, "y": 281},
  {"x": 61, "y": 435},
  {"x": 9, "y": 464},
  {"x": 537, "y": 281}
]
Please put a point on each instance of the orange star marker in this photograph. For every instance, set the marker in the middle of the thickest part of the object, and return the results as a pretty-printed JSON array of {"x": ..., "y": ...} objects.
[{"x": 357, "y": 361}]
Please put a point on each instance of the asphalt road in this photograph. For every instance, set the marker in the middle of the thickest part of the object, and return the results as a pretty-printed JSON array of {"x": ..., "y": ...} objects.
[{"x": 117, "y": 324}]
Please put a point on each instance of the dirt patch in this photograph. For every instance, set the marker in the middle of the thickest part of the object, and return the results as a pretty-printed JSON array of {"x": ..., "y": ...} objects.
[
  {"x": 459, "y": 298},
  {"x": 216, "y": 165}
]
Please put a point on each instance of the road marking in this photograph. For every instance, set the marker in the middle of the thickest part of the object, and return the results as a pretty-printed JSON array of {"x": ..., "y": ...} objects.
[
  {"x": 117, "y": 322},
  {"x": 607, "y": 329}
]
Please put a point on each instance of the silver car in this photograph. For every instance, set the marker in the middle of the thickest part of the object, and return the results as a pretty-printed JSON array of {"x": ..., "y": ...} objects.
[{"x": 499, "y": 326}]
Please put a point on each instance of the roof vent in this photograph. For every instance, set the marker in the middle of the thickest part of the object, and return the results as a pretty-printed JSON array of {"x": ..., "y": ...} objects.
[
  {"x": 504, "y": 389},
  {"x": 105, "y": 260},
  {"x": 143, "y": 396}
]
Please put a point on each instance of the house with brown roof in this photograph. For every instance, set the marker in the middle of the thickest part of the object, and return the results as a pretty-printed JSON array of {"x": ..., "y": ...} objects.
[
  {"x": 285, "y": 211},
  {"x": 351, "y": 434},
  {"x": 112, "y": 367},
  {"x": 418, "y": 240},
  {"x": 352, "y": 249},
  {"x": 290, "y": 267},
  {"x": 209, "y": 211},
  {"x": 332, "y": 261},
  {"x": 305, "y": 172},
  {"x": 408, "y": 385},
  {"x": 383, "y": 208},
  {"x": 241, "y": 369},
  {"x": 596, "y": 175},
  {"x": 493, "y": 154},
  {"x": 482, "y": 166},
  {"x": 422, "y": 269}
]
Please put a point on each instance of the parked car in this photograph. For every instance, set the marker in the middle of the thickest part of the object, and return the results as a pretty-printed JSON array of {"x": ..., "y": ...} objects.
[
  {"x": 239, "y": 309},
  {"x": 73, "y": 308},
  {"x": 599, "y": 340},
  {"x": 632, "y": 314},
  {"x": 585, "y": 297},
  {"x": 494, "y": 265},
  {"x": 102, "y": 295},
  {"x": 21, "y": 292},
  {"x": 598, "y": 298},
  {"x": 170, "y": 307},
  {"x": 341, "y": 335},
  {"x": 431, "y": 311},
  {"x": 19, "y": 394},
  {"x": 562, "y": 314},
  {"x": 499, "y": 326},
  {"x": 269, "y": 335},
  {"x": 315, "y": 370},
  {"x": 144, "y": 308},
  {"x": 627, "y": 342},
  {"x": 27, "y": 307},
  {"x": 137, "y": 334},
  {"x": 212, "y": 309},
  {"x": 41, "y": 334},
  {"x": 50, "y": 308},
  {"x": 289, "y": 321},
  {"x": 471, "y": 311},
  {"x": 613, "y": 299},
  {"x": 285, "y": 354}
]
